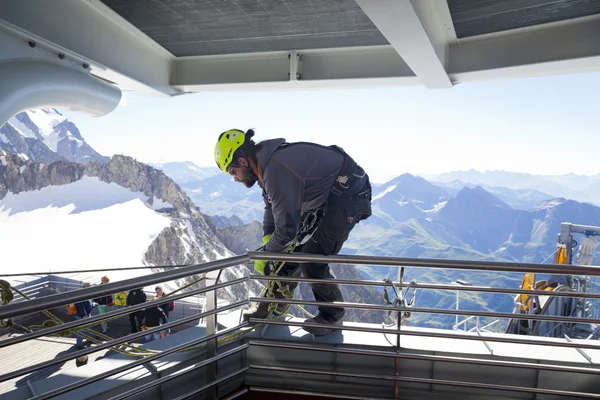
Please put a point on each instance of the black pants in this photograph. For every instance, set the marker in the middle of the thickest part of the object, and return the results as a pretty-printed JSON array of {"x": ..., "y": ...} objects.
[
  {"x": 135, "y": 319},
  {"x": 340, "y": 216}
]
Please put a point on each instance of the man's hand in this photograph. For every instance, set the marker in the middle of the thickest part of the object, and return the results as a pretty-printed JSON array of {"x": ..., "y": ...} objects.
[{"x": 260, "y": 265}]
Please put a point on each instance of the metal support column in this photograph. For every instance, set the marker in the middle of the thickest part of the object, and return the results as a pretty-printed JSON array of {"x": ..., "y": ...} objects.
[
  {"x": 566, "y": 238},
  {"x": 398, "y": 327},
  {"x": 211, "y": 328}
]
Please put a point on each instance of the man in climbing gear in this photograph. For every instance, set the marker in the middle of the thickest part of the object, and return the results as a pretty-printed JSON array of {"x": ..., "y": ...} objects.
[{"x": 299, "y": 181}]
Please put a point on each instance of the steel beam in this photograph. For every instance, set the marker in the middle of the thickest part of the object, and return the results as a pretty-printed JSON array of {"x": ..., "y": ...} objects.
[
  {"x": 549, "y": 49},
  {"x": 419, "y": 31},
  {"x": 371, "y": 66}
]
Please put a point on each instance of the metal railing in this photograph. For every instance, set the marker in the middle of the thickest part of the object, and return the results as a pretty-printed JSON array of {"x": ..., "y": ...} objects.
[
  {"x": 212, "y": 334},
  {"x": 477, "y": 333}
]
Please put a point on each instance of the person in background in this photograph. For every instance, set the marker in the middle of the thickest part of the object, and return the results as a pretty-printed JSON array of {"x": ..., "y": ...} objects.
[
  {"x": 136, "y": 296},
  {"x": 105, "y": 304},
  {"x": 151, "y": 318},
  {"x": 166, "y": 307},
  {"x": 84, "y": 310}
]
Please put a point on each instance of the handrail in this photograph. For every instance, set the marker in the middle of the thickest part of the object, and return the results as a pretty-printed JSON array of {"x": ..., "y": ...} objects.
[
  {"x": 44, "y": 303},
  {"x": 427, "y": 263},
  {"x": 132, "y": 336},
  {"x": 416, "y": 285},
  {"x": 461, "y": 323},
  {"x": 427, "y": 310},
  {"x": 114, "y": 313},
  {"x": 92, "y": 270},
  {"x": 405, "y": 332},
  {"x": 51, "y": 301}
]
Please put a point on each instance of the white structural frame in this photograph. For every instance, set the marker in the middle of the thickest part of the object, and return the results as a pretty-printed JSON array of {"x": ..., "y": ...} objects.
[
  {"x": 423, "y": 50},
  {"x": 419, "y": 31}
]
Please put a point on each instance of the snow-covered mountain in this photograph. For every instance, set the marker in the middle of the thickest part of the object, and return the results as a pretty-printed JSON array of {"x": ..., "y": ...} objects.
[
  {"x": 46, "y": 135},
  {"x": 71, "y": 216},
  {"x": 95, "y": 212},
  {"x": 185, "y": 171}
]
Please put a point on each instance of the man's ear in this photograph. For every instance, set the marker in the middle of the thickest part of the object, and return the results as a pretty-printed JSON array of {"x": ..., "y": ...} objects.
[{"x": 242, "y": 162}]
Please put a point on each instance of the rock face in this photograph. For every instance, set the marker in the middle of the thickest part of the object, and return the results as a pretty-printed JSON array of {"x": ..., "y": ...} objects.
[
  {"x": 190, "y": 239},
  {"x": 241, "y": 239}
]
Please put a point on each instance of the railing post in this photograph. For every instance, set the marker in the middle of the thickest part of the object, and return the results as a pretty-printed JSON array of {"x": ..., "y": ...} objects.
[
  {"x": 211, "y": 328},
  {"x": 566, "y": 238},
  {"x": 398, "y": 327}
]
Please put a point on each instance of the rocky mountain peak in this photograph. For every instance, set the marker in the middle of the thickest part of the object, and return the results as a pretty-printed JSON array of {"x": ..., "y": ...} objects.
[
  {"x": 46, "y": 135},
  {"x": 478, "y": 195}
]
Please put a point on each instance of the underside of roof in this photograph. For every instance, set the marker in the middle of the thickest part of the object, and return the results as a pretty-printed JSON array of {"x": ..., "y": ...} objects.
[
  {"x": 197, "y": 28},
  {"x": 172, "y": 47},
  {"x": 478, "y": 17}
]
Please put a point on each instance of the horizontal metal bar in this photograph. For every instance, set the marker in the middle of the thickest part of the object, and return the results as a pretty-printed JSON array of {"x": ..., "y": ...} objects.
[
  {"x": 491, "y": 386},
  {"x": 237, "y": 394},
  {"x": 426, "y": 263},
  {"x": 203, "y": 363},
  {"x": 133, "y": 364},
  {"x": 114, "y": 313},
  {"x": 49, "y": 273},
  {"x": 211, "y": 384},
  {"x": 44, "y": 303},
  {"x": 464, "y": 321},
  {"x": 470, "y": 314},
  {"x": 425, "y": 357},
  {"x": 485, "y": 289},
  {"x": 24, "y": 288},
  {"x": 406, "y": 332},
  {"x": 490, "y": 324},
  {"x": 311, "y": 394},
  {"x": 118, "y": 341},
  {"x": 575, "y": 228},
  {"x": 325, "y": 281},
  {"x": 31, "y": 293}
]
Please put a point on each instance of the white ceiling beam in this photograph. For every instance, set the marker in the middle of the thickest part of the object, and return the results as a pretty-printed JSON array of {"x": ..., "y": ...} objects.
[
  {"x": 373, "y": 66},
  {"x": 91, "y": 32},
  {"x": 556, "y": 48},
  {"x": 419, "y": 30}
]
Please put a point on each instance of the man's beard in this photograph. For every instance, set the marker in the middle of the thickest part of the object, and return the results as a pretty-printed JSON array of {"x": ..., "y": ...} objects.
[{"x": 249, "y": 181}]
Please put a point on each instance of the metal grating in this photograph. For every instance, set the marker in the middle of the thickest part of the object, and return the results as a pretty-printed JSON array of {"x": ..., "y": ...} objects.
[
  {"x": 205, "y": 27},
  {"x": 477, "y": 17}
]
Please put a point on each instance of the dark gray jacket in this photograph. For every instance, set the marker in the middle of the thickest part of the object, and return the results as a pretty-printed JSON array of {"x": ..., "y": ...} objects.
[{"x": 295, "y": 177}]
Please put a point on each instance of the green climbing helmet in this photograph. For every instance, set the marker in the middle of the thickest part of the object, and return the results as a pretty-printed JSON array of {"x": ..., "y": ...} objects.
[{"x": 229, "y": 141}]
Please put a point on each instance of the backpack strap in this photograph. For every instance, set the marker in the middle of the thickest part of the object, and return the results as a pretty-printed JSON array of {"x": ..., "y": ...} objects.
[{"x": 350, "y": 170}]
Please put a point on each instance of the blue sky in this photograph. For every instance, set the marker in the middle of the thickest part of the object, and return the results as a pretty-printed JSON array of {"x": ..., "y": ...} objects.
[{"x": 542, "y": 125}]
